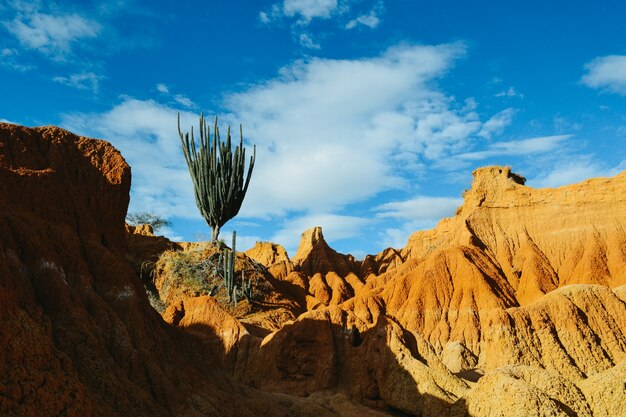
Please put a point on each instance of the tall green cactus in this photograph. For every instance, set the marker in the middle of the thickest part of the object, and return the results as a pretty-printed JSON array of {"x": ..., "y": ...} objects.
[{"x": 217, "y": 174}]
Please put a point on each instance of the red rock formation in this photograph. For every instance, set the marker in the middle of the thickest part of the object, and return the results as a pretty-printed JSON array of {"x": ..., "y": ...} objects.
[
  {"x": 315, "y": 256},
  {"x": 486, "y": 291},
  {"x": 78, "y": 335},
  {"x": 378, "y": 264},
  {"x": 508, "y": 245},
  {"x": 541, "y": 239},
  {"x": 274, "y": 257}
]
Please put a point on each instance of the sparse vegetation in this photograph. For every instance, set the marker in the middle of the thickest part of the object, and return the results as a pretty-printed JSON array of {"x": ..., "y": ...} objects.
[
  {"x": 157, "y": 222},
  {"x": 209, "y": 270},
  {"x": 218, "y": 175},
  {"x": 155, "y": 301}
]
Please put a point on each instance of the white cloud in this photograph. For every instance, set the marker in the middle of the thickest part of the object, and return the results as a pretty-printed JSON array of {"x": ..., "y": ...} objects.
[
  {"x": 562, "y": 125},
  {"x": 184, "y": 101},
  {"x": 522, "y": 147},
  {"x": 309, "y": 9},
  {"x": 307, "y": 41},
  {"x": 607, "y": 73},
  {"x": 162, "y": 88},
  {"x": 82, "y": 81},
  {"x": 418, "y": 213},
  {"x": 420, "y": 208},
  {"x": 497, "y": 123},
  {"x": 510, "y": 92},
  {"x": 395, "y": 237},
  {"x": 51, "y": 34},
  {"x": 574, "y": 170},
  {"x": 299, "y": 14},
  {"x": 304, "y": 11},
  {"x": 370, "y": 20},
  {"x": 327, "y": 138},
  {"x": 246, "y": 242},
  {"x": 181, "y": 99},
  {"x": 335, "y": 227},
  {"x": 171, "y": 234},
  {"x": 9, "y": 59},
  {"x": 264, "y": 18}
]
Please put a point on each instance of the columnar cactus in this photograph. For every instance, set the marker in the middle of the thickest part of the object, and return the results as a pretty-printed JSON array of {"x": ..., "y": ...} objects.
[{"x": 219, "y": 180}]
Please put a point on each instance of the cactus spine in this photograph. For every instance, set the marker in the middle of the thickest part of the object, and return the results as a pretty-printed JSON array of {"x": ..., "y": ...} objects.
[{"x": 219, "y": 180}]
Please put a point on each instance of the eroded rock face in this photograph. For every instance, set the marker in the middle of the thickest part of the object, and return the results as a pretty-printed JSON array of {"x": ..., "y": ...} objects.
[
  {"x": 487, "y": 291},
  {"x": 411, "y": 331},
  {"x": 315, "y": 256},
  {"x": 78, "y": 335},
  {"x": 267, "y": 253},
  {"x": 272, "y": 256},
  {"x": 575, "y": 331},
  {"x": 541, "y": 239},
  {"x": 507, "y": 246}
]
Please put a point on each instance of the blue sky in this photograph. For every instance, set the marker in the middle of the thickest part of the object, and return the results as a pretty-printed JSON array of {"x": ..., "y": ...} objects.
[{"x": 368, "y": 116}]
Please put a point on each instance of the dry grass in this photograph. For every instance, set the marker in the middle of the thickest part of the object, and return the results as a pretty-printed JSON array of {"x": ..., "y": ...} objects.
[{"x": 194, "y": 272}]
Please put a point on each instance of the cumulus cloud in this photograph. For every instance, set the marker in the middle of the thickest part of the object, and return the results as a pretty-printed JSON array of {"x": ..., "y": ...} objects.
[
  {"x": 51, "y": 34},
  {"x": 162, "y": 88},
  {"x": 9, "y": 58},
  {"x": 181, "y": 99},
  {"x": 326, "y": 137},
  {"x": 302, "y": 10},
  {"x": 184, "y": 101},
  {"x": 309, "y": 9},
  {"x": 420, "y": 208},
  {"x": 370, "y": 20},
  {"x": 607, "y": 73},
  {"x": 82, "y": 81},
  {"x": 300, "y": 14},
  {"x": 329, "y": 133}
]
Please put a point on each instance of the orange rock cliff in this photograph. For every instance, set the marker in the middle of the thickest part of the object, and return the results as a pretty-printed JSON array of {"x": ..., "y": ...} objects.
[{"x": 514, "y": 306}]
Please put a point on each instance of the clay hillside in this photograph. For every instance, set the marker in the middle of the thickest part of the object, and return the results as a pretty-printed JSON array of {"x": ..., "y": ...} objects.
[{"x": 516, "y": 306}]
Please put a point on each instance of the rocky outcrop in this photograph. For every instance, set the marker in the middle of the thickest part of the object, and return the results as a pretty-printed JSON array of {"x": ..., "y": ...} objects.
[
  {"x": 267, "y": 253},
  {"x": 541, "y": 239},
  {"x": 515, "y": 306},
  {"x": 380, "y": 366},
  {"x": 490, "y": 292},
  {"x": 524, "y": 391},
  {"x": 78, "y": 335},
  {"x": 385, "y": 261},
  {"x": 272, "y": 256},
  {"x": 575, "y": 331},
  {"x": 315, "y": 256},
  {"x": 507, "y": 246}
]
